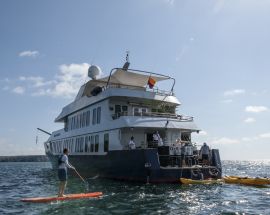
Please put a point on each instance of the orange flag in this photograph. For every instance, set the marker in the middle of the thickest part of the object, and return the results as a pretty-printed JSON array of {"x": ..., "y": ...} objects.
[{"x": 151, "y": 82}]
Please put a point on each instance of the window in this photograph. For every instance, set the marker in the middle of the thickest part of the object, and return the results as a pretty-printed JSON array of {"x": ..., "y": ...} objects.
[
  {"x": 106, "y": 142},
  {"x": 84, "y": 118},
  {"x": 136, "y": 111},
  {"x": 81, "y": 144},
  {"x": 92, "y": 144},
  {"x": 94, "y": 118},
  {"x": 86, "y": 144},
  {"x": 66, "y": 124},
  {"x": 124, "y": 110},
  {"x": 77, "y": 145},
  {"x": 96, "y": 143},
  {"x": 117, "y": 109},
  {"x": 144, "y": 110},
  {"x": 72, "y": 123},
  {"x": 185, "y": 137},
  {"x": 98, "y": 115},
  {"x": 77, "y": 121},
  {"x": 87, "y": 118},
  {"x": 89, "y": 144},
  {"x": 72, "y": 145},
  {"x": 69, "y": 145}
]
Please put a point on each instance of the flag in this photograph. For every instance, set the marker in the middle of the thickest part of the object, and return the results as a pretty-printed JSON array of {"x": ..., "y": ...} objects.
[{"x": 151, "y": 82}]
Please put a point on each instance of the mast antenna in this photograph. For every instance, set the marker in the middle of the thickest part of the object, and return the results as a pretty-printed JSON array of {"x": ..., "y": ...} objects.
[
  {"x": 127, "y": 56},
  {"x": 126, "y": 65}
]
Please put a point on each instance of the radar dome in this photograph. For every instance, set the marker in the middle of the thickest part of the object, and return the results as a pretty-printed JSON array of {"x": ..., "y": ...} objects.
[{"x": 93, "y": 72}]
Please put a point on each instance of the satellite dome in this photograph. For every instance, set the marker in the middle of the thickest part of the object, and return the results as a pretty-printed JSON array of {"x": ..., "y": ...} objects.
[{"x": 93, "y": 72}]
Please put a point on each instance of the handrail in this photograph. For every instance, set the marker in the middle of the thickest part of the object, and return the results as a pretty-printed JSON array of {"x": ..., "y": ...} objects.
[
  {"x": 155, "y": 90},
  {"x": 154, "y": 114}
]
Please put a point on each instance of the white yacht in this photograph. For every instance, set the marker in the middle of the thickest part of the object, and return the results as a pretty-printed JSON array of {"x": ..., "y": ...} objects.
[{"x": 109, "y": 112}]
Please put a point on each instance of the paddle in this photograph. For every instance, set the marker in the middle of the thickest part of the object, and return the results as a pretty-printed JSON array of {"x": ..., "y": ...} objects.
[
  {"x": 80, "y": 176},
  {"x": 85, "y": 182}
]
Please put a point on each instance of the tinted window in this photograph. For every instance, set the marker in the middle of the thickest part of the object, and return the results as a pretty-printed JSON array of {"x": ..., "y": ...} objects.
[
  {"x": 98, "y": 115},
  {"x": 106, "y": 142},
  {"x": 94, "y": 118},
  {"x": 96, "y": 143}
]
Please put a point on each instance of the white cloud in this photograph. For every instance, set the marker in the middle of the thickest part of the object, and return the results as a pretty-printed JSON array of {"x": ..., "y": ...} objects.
[
  {"x": 247, "y": 139},
  {"x": 224, "y": 140},
  {"x": 256, "y": 109},
  {"x": 66, "y": 84},
  {"x": 29, "y": 53},
  {"x": 265, "y": 135},
  {"x": 227, "y": 140},
  {"x": 36, "y": 81},
  {"x": 19, "y": 90},
  {"x": 234, "y": 92},
  {"x": 249, "y": 120}
]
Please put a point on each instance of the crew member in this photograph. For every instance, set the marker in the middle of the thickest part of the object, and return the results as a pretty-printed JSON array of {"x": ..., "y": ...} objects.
[
  {"x": 205, "y": 151},
  {"x": 156, "y": 138},
  {"x": 131, "y": 143}
]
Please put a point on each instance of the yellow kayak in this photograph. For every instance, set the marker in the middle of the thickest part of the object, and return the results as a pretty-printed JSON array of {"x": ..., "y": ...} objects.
[
  {"x": 208, "y": 181},
  {"x": 246, "y": 180}
]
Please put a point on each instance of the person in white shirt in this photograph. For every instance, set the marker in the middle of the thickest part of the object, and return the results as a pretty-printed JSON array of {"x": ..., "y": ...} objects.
[
  {"x": 131, "y": 143},
  {"x": 63, "y": 164},
  {"x": 157, "y": 139}
]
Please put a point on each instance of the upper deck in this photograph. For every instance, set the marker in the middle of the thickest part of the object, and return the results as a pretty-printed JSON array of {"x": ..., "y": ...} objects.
[{"x": 120, "y": 83}]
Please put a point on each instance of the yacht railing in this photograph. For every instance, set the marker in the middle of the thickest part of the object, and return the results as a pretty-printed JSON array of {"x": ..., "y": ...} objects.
[{"x": 154, "y": 114}]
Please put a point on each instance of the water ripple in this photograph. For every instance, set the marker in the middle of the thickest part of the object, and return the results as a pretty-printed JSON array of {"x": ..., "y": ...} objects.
[{"x": 20, "y": 180}]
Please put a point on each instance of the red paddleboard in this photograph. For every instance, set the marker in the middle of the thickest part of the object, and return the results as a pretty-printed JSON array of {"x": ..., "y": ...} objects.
[{"x": 66, "y": 197}]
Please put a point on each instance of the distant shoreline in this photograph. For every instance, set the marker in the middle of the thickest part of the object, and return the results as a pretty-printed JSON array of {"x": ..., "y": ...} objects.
[{"x": 24, "y": 158}]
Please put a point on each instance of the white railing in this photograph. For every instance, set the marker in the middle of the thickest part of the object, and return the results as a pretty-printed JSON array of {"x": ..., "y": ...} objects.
[
  {"x": 155, "y": 89},
  {"x": 154, "y": 114}
]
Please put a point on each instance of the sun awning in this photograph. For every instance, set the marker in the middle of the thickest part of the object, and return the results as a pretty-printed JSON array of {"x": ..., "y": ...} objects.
[{"x": 122, "y": 77}]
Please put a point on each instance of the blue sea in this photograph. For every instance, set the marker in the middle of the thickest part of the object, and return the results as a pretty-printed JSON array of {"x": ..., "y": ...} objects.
[{"x": 21, "y": 180}]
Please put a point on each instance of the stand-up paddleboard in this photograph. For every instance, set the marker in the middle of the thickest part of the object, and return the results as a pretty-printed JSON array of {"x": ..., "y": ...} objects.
[{"x": 66, "y": 197}]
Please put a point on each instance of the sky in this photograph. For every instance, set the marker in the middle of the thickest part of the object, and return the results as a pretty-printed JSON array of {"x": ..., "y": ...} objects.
[{"x": 217, "y": 50}]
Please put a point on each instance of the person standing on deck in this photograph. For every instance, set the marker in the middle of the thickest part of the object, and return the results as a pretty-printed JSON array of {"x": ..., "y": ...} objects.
[
  {"x": 205, "y": 151},
  {"x": 131, "y": 143},
  {"x": 63, "y": 164},
  {"x": 156, "y": 138}
]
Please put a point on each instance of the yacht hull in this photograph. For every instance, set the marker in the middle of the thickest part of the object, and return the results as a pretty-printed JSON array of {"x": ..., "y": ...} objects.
[{"x": 139, "y": 165}]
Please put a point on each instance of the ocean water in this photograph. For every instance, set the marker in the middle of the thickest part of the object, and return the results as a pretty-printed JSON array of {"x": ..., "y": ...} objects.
[{"x": 20, "y": 180}]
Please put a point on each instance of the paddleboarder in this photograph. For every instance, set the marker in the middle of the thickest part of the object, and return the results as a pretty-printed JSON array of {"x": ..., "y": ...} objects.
[{"x": 63, "y": 164}]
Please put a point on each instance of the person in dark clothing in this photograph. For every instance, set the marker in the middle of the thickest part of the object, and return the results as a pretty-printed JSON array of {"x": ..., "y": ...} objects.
[{"x": 205, "y": 151}]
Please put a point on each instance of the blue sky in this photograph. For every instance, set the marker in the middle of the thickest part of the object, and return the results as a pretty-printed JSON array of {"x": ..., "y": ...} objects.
[{"x": 217, "y": 50}]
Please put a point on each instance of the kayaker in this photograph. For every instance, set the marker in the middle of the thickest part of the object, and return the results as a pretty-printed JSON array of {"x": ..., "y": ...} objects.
[
  {"x": 63, "y": 164},
  {"x": 205, "y": 151}
]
